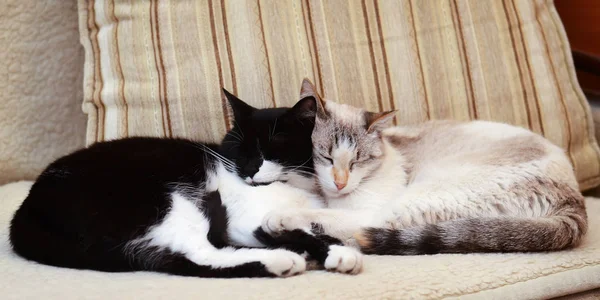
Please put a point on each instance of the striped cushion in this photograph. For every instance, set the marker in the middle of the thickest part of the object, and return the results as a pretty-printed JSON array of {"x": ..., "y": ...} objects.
[{"x": 156, "y": 67}]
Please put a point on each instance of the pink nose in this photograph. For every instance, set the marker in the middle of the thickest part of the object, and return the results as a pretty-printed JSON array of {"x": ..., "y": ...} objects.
[{"x": 340, "y": 185}]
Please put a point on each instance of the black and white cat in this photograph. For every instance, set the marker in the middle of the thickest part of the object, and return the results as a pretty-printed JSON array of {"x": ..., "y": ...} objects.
[{"x": 182, "y": 207}]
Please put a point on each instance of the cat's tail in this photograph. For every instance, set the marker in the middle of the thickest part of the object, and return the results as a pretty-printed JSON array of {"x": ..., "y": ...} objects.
[{"x": 487, "y": 234}]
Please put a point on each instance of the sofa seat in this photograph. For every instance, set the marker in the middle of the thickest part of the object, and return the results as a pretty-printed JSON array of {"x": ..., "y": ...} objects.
[{"x": 472, "y": 276}]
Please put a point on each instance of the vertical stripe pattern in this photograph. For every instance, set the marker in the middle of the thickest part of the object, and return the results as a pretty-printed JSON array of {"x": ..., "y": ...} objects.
[{"x": 158, "y": 67}]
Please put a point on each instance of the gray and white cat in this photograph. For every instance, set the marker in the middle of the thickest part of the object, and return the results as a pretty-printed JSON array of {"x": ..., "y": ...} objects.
[{"x": 439, "y": 187}]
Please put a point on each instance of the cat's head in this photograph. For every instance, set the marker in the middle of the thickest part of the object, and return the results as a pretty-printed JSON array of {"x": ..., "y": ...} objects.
[
  {"x": 272, "y": 144},
  {"x": 347, "y": 143}
]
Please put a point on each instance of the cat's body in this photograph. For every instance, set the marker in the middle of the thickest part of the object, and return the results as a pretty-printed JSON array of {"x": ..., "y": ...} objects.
[
  {"x": 439, "y": 187},
  {"x": 144, "y": 204},
  {"x": 174, "y": 206}
]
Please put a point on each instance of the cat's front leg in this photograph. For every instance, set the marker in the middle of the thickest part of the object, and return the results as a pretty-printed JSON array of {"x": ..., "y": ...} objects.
[
  {"x": 287, "y": 220},
  {"x": 338, "y": 223}
]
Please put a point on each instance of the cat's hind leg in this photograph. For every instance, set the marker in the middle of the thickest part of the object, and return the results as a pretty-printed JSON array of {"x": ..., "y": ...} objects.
[
  {"x": 219, "y": 263},
  {"x": 224, "y": 263},
  {"x": 245, "y": 262},
  {"x": 184, "y": 244}
]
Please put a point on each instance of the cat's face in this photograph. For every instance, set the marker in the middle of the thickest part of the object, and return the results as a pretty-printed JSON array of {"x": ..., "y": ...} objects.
[
  {"x": 271, "y": 144},
  {"x": 347, "y": 146}
]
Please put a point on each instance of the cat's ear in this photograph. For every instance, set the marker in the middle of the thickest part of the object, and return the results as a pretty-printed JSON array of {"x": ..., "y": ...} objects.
[
  {"x": 379, "y": 121},
  {"x": 309, "y": 91},
  {"x": 305, "y": 109},
  {"x": 239, "y": 108}
]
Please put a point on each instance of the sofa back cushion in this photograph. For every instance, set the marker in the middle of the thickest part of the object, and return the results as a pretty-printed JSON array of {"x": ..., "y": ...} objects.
[{"x": 157, "y": 67}]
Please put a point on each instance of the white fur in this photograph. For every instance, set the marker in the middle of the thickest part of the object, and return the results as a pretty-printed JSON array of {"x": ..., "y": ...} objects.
[
  {"x": 341, "y": 223},
  {"x": 448, "y": 182},
  {"x": 345, "y": 113},
  {"x": 372, "y": 194},
  {"x": 268, "y": 172},
  {"x": 184, "y": 230},
  {"x": 301, "y": 182},
  {"x": 271, "y": 171},
  {"x": 248, "y": 205},
  {"x": 279, "y": 262},
  {"x": 183, "y": 221},
  {"x": 344, "y": 259}
]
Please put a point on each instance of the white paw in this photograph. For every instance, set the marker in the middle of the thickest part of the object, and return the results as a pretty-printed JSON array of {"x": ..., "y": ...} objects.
[
  {"x": 279, "y": 221},
  {"x": 344, "y": 260},
  {"x": 283, "y": 263}
]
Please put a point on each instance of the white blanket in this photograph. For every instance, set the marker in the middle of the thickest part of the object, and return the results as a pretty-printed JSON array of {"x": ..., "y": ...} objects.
[
  {"x": 485, "y": 276},
  {"x": 41, "y": 76}
]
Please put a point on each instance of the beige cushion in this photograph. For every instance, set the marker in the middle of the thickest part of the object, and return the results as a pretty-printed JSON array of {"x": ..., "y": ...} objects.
[
  {"x": 469, "y": 276},
  {"x": 40, "y": 86},
  {"x": 156, "y": 67}
]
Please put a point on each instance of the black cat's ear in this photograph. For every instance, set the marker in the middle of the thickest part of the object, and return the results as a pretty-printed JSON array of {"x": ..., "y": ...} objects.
[
  {"x": 306, "y": 108},
  {"x": 309, "y": 91},
  {"x": 236, "y": 106},
  {"x": 379, "y": 121}
]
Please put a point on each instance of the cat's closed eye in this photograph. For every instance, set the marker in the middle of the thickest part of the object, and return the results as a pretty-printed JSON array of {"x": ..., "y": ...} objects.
[
  {"x": 363, "y": 159},
  {"x": 326, "y": 158}
]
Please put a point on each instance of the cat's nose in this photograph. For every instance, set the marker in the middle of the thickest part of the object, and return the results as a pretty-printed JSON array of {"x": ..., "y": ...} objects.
[
  {"x": 340, "y": 177},
  {"x": 340, "y": 185},
  {"x": 252, "y": 168}
]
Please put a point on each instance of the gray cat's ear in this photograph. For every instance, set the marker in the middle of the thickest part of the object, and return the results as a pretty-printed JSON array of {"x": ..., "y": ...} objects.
[
  {"x": 236, "y": 106},
  {"x": 308, "y": 91},
  {"x": 379, "y": 121}
]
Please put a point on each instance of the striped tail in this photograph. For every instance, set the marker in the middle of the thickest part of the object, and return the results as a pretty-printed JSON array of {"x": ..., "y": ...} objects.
[{"x": 489, "y": 234}]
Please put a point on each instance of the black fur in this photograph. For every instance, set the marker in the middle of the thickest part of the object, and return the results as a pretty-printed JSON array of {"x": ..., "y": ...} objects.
[
  {"x": 283, "y": 135},
  {"x": 432, "y": 241},
  {"x": 86, "y": 207},
  {"x": 401, "y": 242},
  {"x": 382, "y": 241},
  {"x": 217, "y": 216},
  {"x": 317, "y": 245}
]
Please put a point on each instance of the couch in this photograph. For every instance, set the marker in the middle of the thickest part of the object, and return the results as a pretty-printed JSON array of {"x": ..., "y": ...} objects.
[{"x": 143, "y": 75}]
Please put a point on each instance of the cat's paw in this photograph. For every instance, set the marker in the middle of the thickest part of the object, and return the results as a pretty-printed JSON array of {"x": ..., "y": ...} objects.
[
  {"x": 284, "y": 263},
  {"x": 344, "y": 260},
  {"x": 278, "y": 221}
]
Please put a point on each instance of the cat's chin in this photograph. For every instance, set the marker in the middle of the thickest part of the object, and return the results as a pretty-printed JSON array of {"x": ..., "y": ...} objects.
[{"x": 337, "y": 194}]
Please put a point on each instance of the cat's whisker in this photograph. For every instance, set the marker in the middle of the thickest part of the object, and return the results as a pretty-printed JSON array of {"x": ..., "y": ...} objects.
[
  {"x": 218, "y": 156},
  {"x": 272, "y": 132},
  {"x": 302, "y": 164},
  {"x": 235, "y": 135},
  {"x": 299, "y": 167},
  {"x": 305, "y": 173},
  {"x": 301, "y": 171}
]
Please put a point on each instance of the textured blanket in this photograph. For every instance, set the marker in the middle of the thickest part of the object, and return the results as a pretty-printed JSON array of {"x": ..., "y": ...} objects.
[
  {"x": 40, "y": 86},
  {"x": 474, "y": 276}
]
